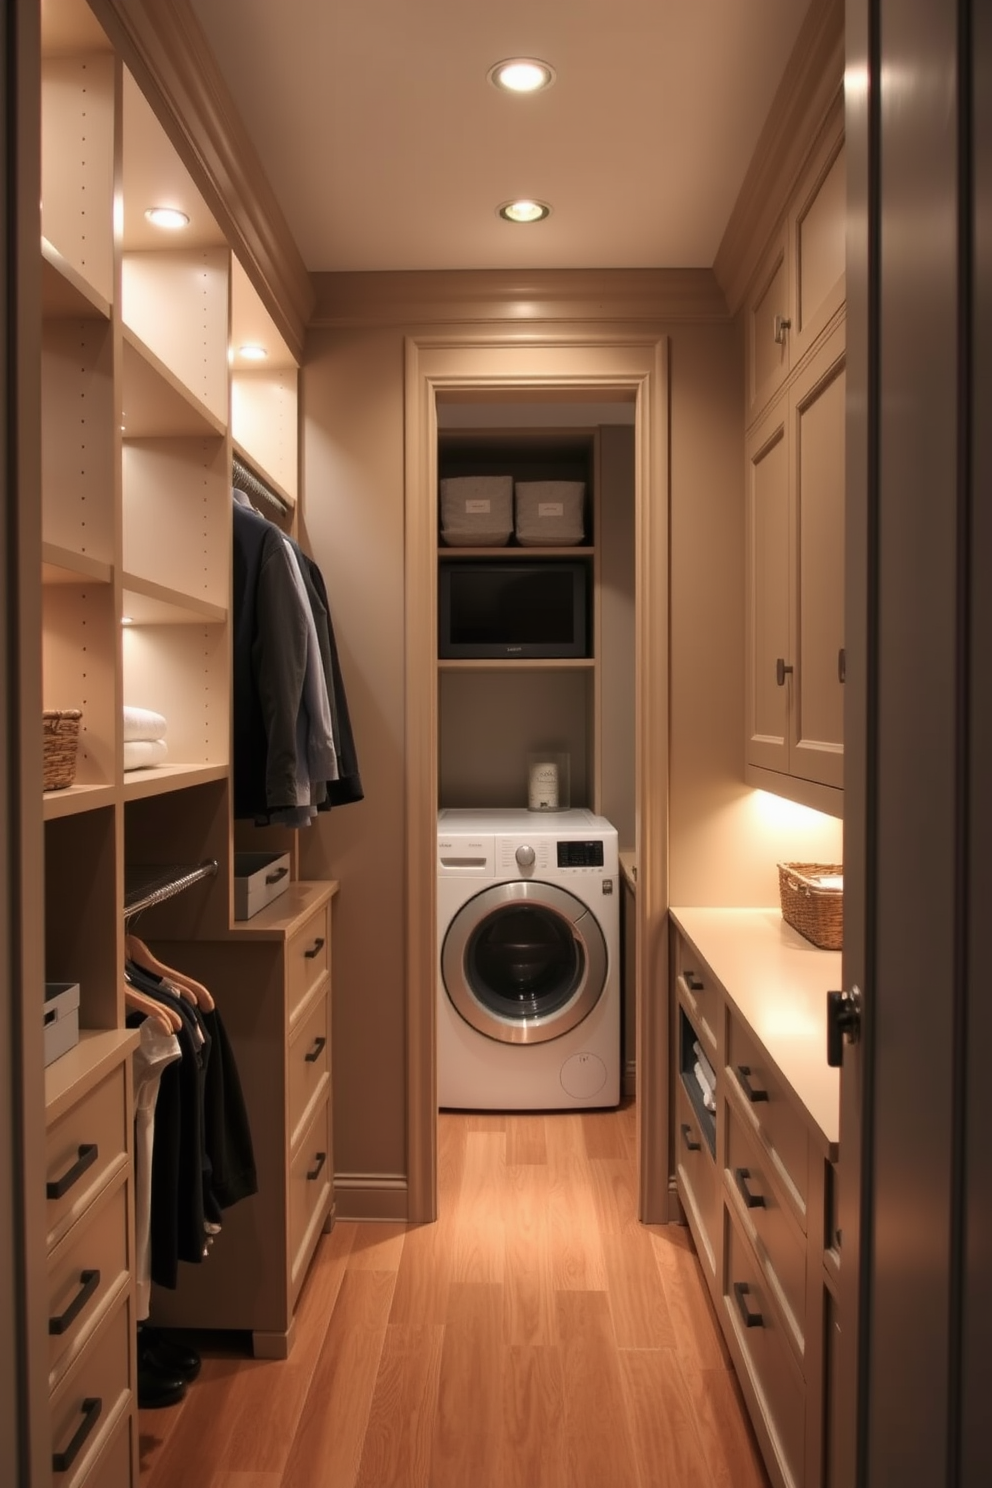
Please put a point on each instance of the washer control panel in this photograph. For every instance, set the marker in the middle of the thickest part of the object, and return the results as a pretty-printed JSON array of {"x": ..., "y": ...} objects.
[{"x": 572, "y": 854}]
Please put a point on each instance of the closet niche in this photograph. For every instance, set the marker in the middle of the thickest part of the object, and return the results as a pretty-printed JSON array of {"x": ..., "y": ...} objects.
[{"x": 493, "y": 713}]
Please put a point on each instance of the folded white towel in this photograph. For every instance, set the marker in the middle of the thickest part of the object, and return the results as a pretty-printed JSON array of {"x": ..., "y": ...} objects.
[
  {"x": 142, "y": 723},
  {"x": 705, "y": 1065},
  {"x": 709, "y": 1099},
  {"x": 139, "y": 753}
]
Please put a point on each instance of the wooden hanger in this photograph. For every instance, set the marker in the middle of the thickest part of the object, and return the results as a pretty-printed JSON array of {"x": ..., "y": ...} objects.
[
  {"x": 193, "y": 991},
  {"x": 168, "y": 1020}
]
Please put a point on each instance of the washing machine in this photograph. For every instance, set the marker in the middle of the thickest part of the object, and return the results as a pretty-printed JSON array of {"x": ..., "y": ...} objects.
[{"x": 528, "y": 1010}]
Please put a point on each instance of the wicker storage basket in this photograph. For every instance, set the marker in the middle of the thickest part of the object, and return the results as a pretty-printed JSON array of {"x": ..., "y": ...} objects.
[
  {"x": 814, "y": 909},
  {"x": 61, "y": 735}
]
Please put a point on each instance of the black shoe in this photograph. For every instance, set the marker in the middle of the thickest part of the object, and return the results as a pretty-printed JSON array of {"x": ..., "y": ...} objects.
[
  {"x": 156, "y": 1387},
  {"x": 167, "y": 1354}
]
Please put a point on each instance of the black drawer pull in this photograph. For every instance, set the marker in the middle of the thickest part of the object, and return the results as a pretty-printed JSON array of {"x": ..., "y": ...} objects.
[
  {"x": 314, "y": 1054},
  {"x": 57, "y": 1188},
  {"x": 91, "y": 1408},
  {"x": 752, "y": 1200},
  {"x": 743, "y": 1074},
  {"x": 748, "y": 1318},
  {"x": 692, "y": 981},
  {"x": 314, "y": 1173},
  {"x": 687, "y": 1138},
  {"x": 61, "y": 1324},
  {"x": 276, "y": 876},
  {"x": 315, "y": 949}
]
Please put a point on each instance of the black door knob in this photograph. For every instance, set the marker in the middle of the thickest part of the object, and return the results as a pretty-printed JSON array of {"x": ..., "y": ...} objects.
[{"x": 843, "y": 1022}]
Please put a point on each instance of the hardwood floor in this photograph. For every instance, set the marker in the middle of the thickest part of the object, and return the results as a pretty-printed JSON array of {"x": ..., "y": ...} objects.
[{"x": 536, "y": 1336}]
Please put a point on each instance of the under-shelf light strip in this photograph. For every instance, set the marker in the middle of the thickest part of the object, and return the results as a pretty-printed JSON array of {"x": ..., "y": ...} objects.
[
  {"x": 245, "y": 479},
  {"x": 162, "y": 883}
]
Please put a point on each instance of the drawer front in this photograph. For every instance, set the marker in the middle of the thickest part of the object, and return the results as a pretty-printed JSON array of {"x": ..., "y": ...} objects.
[
  {"x": 771, "y": 1226},
  {"x": 701, "y": 991},
  {"x": 309, "y": 1061},
  {"x": 113, "y": 1470},
  {"x": 768, "y": 1358},
  {"x": 310, "y": 1180},
  {"x": 87, "y": 1399},
  {"x": 308, "y": 956},
  {"x": 81, "y": 1150},
  {"x": 82, "y": 1272},
  {"x": 780, "y": 1127},
  {"x": 697, "y": 1179}
]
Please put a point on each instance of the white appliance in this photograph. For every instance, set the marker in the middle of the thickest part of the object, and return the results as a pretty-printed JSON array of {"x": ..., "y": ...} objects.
[{"x": 528, "y": 960}]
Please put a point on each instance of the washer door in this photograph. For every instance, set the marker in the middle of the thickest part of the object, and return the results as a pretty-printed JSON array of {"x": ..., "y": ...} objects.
[{"x": 524, "y": 962}]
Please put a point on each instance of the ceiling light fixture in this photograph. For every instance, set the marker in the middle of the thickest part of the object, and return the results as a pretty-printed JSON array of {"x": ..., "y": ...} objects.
[
  {"x": 524, "y": 210},
  {"x": 168, "y": 217},
  {"x": 252, "y": 352},
  {"x": 521, "y": 75}
]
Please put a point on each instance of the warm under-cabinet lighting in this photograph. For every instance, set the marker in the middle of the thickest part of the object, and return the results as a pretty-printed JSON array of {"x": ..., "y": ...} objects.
[
  {"x": 521, "y": 75},
  {"x": 524, "y": 210},
  {"x": 168, "y": 217}
]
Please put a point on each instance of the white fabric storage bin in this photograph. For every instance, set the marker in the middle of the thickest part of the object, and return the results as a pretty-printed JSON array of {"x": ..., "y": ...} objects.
[
  {"x": 477, "y": 510},
  {"x": 550, "y": 514}
]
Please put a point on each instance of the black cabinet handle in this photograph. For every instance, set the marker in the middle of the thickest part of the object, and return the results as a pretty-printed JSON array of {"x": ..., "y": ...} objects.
[
  {"x": 57, "y": 1188},
  {"x": 782, "y": 670},
  {"x": 752, "y": 1200},
  {"x": 276, "y": 876},
  {"x": 314, "y": 1054},
  {"x": 61, "y": 1324},
  {"x": 315, "y": 1172},
  {"x": 692, "y": 981},
  {"x": 687, "y": 1138},
  {"x": 842, "y": 665},
  {"x": 748, "y": 1318},
  {"x": 315, "y": 949},
  {"x": 91, "y": 1408},
  {"x": 744, "y": 1075}
]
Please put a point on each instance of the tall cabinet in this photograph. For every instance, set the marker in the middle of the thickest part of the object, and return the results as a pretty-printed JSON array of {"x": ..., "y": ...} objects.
[{"x": 147, "y": 397}]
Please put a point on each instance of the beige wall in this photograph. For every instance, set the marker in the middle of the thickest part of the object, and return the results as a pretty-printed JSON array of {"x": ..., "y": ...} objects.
[{"x": 721, "y": 850}]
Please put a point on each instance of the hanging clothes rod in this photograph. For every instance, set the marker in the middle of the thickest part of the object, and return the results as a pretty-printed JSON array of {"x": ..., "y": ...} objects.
[
  {"x": 254, "y": 487},
  {"x": 146, "y": 886}
]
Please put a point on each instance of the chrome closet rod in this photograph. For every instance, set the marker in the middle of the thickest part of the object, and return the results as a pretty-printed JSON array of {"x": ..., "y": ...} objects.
[
  {"x": 161, "y": 882},
  {"x": 244, "y": 479}
]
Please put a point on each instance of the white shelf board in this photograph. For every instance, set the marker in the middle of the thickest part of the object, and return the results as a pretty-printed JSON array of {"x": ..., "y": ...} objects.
[
  {"x": 148, "y": 603},
  {"x": 75, "y": 799},
  {"x": 160, "y": 780},
  {"x": 63, "y": 566},
  {"x": 65, "y": 293},
  {"x": 156, "y": 404}
]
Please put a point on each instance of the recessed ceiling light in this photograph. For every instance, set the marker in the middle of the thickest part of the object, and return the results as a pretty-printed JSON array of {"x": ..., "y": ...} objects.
[
  {"x": 252, "y": 352},
  {"x": 524, "y": 210},
  {"x": 167, "y": 217},
  {"x": 521, "y": 75},
  {"x": 127, "y": 620}
]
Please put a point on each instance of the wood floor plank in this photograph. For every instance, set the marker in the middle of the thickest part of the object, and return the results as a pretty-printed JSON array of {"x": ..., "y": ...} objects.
[
  {"x": 245, "y": 1480},
  {"x": 601, "y": 1134},
  {"x": 467, "y": 1444},
  {"x": 327, "y": 1447},
  {"x": 478, "y": 1243},
  {"x": 730, "y": 1450},
  {"x": 423, "y": 1278},
  {"x": 399, "y": 1437},
  {"x": 533, "y": 1418},
  {"x": 529, "y": 1315},
  {"x": 599, "y": 1450},
  {"x": 376, "y": 1246},
  {"x": 200, "y": 1443},
  {"x": 667, "y": 1446},
  {"x": 576, "y": 1251},
  {"x": 698, "y": 1337},
  {"x": 638, "y": 1302},
  {"x": 614, "y": 1193},
  {"x": 525, "y": 1140}
]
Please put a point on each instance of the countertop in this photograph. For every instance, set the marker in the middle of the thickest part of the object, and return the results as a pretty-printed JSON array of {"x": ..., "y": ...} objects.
[{"x": 778, "y": 982}]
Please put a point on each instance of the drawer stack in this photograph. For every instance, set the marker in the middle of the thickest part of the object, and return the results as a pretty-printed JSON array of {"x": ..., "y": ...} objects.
[{"x": 90, "y": 1229}]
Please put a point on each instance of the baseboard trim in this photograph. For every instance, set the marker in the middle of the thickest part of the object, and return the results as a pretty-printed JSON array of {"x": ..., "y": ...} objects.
[
  {"x": 628, "y": 1080},
  {"x": 370, "y": 1196}
]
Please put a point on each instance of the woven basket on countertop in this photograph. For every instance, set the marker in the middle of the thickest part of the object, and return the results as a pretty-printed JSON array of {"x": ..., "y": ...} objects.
[
  {"x": 815, "y": 911},
  {"x": 61, "y": 735}
]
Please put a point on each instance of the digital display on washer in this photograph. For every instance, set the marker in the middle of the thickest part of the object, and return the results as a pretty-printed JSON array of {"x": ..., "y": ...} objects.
[{"x": 580, "y": 854}]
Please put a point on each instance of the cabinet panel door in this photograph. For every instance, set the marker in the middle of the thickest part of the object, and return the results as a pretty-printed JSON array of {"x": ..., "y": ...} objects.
[
  {"x": 768, "y": 626},
  {"x": 768, "y": 358},
  {"x": 821, "y": 235},
  {"x": 818, "y": 427}
]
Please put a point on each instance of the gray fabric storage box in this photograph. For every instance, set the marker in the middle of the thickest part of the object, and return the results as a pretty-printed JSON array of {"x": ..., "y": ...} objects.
[
  {"x": 477, "y": 510},
  {"x": 61, "y": 1019},
  {"x": 550, "y": 514},
  {"x": 259, "y": 877}
]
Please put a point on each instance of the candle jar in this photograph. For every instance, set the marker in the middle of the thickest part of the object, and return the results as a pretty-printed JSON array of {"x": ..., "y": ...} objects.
[{"x": 548, "y": 781}]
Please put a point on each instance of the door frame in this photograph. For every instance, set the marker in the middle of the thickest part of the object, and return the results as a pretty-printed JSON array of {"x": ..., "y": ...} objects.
[{"x": 564, "y": 362}]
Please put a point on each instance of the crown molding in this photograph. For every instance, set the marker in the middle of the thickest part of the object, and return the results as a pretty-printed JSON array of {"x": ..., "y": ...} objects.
[
  {"x": 478, "y": 296},
  {"x": 810, "y": 96},
  {"x": 165, "y": 48}
]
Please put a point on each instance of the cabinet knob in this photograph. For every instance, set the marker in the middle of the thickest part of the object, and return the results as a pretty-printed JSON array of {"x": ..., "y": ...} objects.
[
  {"x": 781, "y": 324},
  {"x": 781, "y": 670}
]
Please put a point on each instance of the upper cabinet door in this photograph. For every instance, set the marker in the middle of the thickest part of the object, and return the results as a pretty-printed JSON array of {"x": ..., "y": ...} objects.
[
  {"x": 817, "y": 423},
  {"x": 819, "y": 245},
  {"x": 768, "y": 624},
  {"x": 769, "y": 316}
]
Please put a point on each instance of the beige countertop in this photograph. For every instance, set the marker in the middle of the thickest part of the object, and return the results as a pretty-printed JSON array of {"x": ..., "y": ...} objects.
[{"x": 779, "y": 983}]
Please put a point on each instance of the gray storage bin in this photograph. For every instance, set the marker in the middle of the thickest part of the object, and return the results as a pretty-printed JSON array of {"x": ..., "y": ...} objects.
[
  {"x": 550, "y": 514},
  {"x": 477, "y": 510}
]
